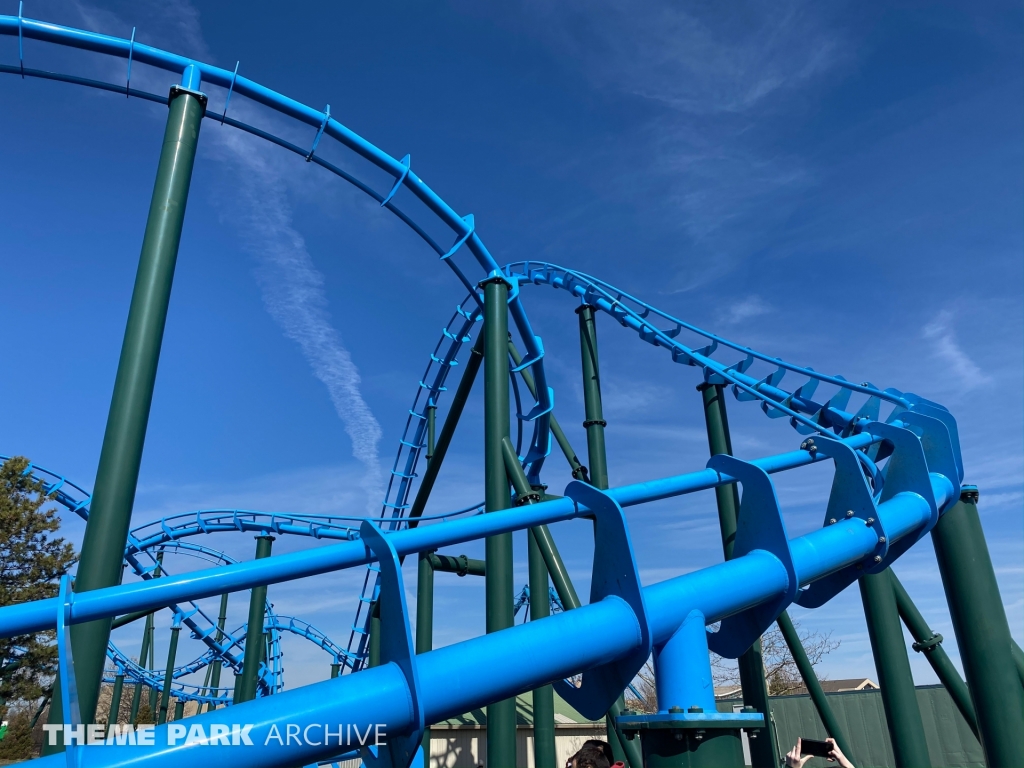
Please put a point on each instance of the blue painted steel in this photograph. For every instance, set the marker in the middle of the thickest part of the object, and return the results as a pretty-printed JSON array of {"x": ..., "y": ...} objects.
[
  {"x": 623, "y": 621},
  {"x": 759, "y": 525},
  {"x": 396, "y": 647},
  {"x": 682, "y": 667},
  {"x": 614, "y": 577}
]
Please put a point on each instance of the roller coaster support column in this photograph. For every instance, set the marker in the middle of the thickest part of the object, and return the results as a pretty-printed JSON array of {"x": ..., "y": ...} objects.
[
  {"x": 440, "y": 449},
  {"x": 595, "y": 424},
  {"x": 145, "y": 653},
  {"x": 811, "y": 682},
  {"x": 425, "y": 623},
  {"x": 501, "y": 715},
  {"x": 544, "y": 753},
  {"x": 172, "y": 652},
  {"x": 682, "y": 733},
  {"x": 246, "y": 683},
  {"x": 179, "y": 709},
  {"x": 114, "y": 491},
  {"x": 899, "y": 698},
  {"x": 930, "y": 644},
  {"x": 115, "y": 698},
  {"x": 217, "y": 665},
  {"x": 982, "y": 632},
  {"x": 579, "y": 472},
  {"x": 143, "y": 657},
  {"x": 373, "y": 651},
  {"x": 764, "y": 752}
]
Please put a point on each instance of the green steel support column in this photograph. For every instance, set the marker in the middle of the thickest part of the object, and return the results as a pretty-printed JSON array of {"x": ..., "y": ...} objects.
[
  {"x": 544, "y": 754},
  {"x": 1018, "y": 660},
  {"x": 623, "y": 749},
  {"x": 128, "y": 618},
  {"x": 431, "y": 419},
  {"x": 476, "y": 357},
  {"x": 172, "y": 652},
  {"x": 899, "y": 698},
  {"x": 246, "y": 683},
  {"x": 594, "y": 423},
  {"x": 930, "y": 644},
  {"x": 115, "y": 699},
  {"x": 579, "y": 472},
  {"x": 425, "y": 626},
  {"x": 982, "y": 632},
  {"x": 147, "y": 635},
  {"x": 179, "y": 709},
  {"x": 217, "y": 666},
  {"x": 335, "y": 671},
  {"x": 828, "y": 717},
  {"x": 100, "y": 563},
  {"x": 764, "y": 751},
  {"x": 501, "y": 715},
  {"x": 151, "y": 664}
]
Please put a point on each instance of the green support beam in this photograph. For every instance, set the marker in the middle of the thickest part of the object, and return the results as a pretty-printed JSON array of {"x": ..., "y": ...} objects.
[
  {"x": 1018, "y": 660},
  {"x": 172, "y": 653},
  {"x": 544, "y": 754},
  {"x": 579, "y": 472},
  {"x": 624, "y": 750},
  {"x": 982, "y": 632},
  {"x": 457, "y": 564},
  {"x": 335, "y": 671},
  {"x": 899, "y": 698},
  {"x": 217, "y": 666},
  {"x": 115, "y": 699},
  {"x": 594, "y": 422},
  {"x": 930, "y": 644},
  {"x": 147, "y": 635},
  {"x": 110, "y": 511},
  {"x": 425, "y": 625},
  {"x": 179, "y": 710},
  {"x": 246, "y": 684},
  {"x": 501, "y": 715},
  {"x": 828, "y": 717},
  {"x": 764, "y": 751}
]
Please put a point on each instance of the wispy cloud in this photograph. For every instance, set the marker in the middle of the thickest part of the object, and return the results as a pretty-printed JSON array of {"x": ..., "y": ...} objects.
[
  {"x": 714, "y": 60},
  {"x": 744, "y": 309},
  {"x": 293, "y": 293},
  {"x": 945, "y": 347}
]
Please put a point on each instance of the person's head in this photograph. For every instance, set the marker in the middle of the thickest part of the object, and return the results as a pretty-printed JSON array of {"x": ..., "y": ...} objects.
[{"x": 593, "y": 754}]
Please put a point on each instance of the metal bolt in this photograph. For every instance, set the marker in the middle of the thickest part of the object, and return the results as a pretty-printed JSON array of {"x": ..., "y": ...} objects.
[
  {"x": 832, "y": 521},
  {"x": 881, "y": 539},
  {"x": 878, "y": 558},
  {"x": 871, "y": 521},
  {"x": 849, "y": 513}
]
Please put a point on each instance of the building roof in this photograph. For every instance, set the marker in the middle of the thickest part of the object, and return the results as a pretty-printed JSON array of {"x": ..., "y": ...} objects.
[{"x": 838, "y": 686}]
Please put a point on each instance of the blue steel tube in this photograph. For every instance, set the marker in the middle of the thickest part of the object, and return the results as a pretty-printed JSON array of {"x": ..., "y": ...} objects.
[{"x": 816, "y": 555}]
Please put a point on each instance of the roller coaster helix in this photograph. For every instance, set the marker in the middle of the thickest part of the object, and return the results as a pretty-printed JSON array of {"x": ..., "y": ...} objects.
[{"x": 898, "y": 476}]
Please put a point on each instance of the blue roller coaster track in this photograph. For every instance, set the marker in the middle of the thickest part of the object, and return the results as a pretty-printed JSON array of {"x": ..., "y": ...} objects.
[{"x": 897, "y": 474}]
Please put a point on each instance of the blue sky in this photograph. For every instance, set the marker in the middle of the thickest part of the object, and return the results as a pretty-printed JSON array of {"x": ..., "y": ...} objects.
[{"x": 840, "y": 186}]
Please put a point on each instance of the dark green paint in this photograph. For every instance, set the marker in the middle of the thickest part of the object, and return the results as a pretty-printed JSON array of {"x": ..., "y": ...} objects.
[
  {"x": 501, "y": 715},
  {"x": 930, "y": 644},
  {"x": 982, "y": 632},
  {"x": 172, "y": 653},
  {"x": 899, "y": 699},
  {"x": 110, "y": 510},
  {"x": 246, "y": 683}
]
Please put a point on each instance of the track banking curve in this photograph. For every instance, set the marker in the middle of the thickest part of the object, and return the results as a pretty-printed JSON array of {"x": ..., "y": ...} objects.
[{"x": 888, "y": 509}]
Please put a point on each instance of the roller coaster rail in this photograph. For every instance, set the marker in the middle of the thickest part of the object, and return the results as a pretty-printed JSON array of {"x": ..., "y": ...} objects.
[{"x": 895, "y": 481}]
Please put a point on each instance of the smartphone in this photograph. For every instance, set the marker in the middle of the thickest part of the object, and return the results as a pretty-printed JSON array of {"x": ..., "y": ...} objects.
[{"x": 814, "y": 747}]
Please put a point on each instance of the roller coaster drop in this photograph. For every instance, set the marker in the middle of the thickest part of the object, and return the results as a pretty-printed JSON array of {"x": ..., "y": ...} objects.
[{"x": 898, "y": 476}]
